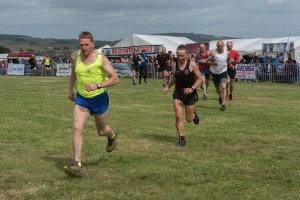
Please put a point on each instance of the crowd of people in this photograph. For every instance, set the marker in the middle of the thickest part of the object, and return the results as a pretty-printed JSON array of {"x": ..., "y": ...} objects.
[{"x": 45, "y": 65}]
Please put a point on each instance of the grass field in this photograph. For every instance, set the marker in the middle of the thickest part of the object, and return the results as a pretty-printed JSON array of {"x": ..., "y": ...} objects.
[{"x": 250, "y": 151}]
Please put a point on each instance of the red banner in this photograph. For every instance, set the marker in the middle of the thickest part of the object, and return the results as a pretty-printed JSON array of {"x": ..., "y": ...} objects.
[{"x": 150, "y": 49}]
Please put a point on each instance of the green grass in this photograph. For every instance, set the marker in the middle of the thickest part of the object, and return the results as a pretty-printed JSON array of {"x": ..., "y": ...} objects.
[{"x": 250, "y": 151}]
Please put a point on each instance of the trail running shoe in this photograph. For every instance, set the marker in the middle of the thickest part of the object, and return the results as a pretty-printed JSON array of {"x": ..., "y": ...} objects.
[
  {"x": 74, "y": 170},
  {"x": 230, "y": 96},
  {"x": 112, "y": 142},
  {"x": 223, "y": 107},
  {"x": 196, "y": 120},
  {"x": 205, "y": 96},
  {"x": 181, "y": 142},
  {"x": 220, "y": 100}
]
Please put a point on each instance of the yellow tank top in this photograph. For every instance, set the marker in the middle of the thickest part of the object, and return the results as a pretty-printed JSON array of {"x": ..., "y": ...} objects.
[
  {"x": 93, "y": 73},
  {"x": 47, "y": 61}
]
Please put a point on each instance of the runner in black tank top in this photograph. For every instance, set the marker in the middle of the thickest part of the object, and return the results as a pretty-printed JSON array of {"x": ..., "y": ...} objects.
[{"x": 186, "y": 79}]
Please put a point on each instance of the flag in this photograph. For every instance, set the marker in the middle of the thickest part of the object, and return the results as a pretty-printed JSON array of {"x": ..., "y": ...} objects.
[{"x": 287, "y": 48}]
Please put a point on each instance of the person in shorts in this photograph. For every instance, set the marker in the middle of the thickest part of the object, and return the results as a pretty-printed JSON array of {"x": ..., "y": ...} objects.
[
  {"x": 162, "y": 61},
  {"x": 33, "y": 65},
  {"x": 93, "y": 73},
  {"x": 186, "y": 78},
  {"x": 135, "y": 60},
  {"x": 234, "y": 59},
  {"x": 204, "y": 69},
  {"x": 218, "y": 61}
]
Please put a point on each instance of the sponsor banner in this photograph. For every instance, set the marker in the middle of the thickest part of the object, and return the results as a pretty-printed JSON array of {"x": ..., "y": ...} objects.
[
  {"x": 276, "y": 47},
  {"x": 16, "y": 69},
  {"x": 245, "y": 71},
  {"x": 119, "y": 51},
  {"x": 63, "y": 69}
]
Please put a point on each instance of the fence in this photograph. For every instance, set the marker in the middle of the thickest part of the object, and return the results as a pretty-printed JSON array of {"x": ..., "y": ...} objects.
[{"x": 281, "y": 73}]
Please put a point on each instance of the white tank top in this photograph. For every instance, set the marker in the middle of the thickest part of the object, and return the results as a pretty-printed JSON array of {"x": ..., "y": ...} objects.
[{"x": 221, "y": 67}]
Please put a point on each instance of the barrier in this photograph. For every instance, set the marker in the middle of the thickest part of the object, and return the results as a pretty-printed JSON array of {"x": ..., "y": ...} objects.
[{"x": 282, "y": 73}]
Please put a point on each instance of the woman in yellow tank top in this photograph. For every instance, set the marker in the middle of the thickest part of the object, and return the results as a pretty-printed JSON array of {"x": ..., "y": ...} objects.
[
  {"x": 91, "y": 70},
  {"x": 46, "y": 63}
]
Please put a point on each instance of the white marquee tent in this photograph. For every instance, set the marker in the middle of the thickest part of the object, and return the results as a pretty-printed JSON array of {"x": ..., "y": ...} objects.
[
  {"x": 245, "y": 46},
  {"x": 171, "y": 43}
]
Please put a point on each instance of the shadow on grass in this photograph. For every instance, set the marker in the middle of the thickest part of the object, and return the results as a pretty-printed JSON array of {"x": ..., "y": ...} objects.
[
  {"x": 60, "y": 162},
  {"x": 206, "y": 106},
  {"x": 160, "y": 137}
]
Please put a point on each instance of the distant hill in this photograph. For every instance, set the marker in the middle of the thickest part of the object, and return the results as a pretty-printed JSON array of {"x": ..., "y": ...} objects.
[{"x": 60, "y": 47}]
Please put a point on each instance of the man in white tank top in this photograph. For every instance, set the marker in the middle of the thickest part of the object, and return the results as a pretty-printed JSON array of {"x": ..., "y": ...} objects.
[{"x": 218, "y": 61}]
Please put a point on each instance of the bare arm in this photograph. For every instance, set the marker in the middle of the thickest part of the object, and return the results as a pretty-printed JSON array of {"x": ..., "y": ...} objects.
[
  {"x": 71, "y": 93},
  {"x": 198, "y": 77},
  {"x": 210, "y": 59},
  {"x": 112, "y": 80},
  {"x": 173, "y": 80},
  {"x": 113, "y": 77}
]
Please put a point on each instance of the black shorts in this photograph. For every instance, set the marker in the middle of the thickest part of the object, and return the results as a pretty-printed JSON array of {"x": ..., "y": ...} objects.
[
  {"x": 231, "y": 73},
  {"x": 186, "y": 99},
  {"x": 134, "y": 68},
  {"x": 32, "y": 67},
  {"x": 162, "y": 68},
  {"x": 219, "y": 78},
  {"x": 168, "y": 68}
]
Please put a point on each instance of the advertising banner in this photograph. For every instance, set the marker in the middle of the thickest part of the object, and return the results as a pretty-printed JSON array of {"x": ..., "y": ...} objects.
[
  {"x": 121, "y": 51},
  {"x": 63, "y": 69},
  {"x": 15, "y": 69},
  {"x": 276, "y": 47},
  {"x": 245, "y": 71}
]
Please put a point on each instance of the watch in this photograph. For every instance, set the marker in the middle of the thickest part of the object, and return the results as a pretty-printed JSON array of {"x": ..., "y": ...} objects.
[
  {"x": 193, "y": 87},
  {"x": 99, "y": 85}
]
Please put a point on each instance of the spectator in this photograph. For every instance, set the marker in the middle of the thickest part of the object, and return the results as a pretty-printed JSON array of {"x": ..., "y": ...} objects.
[{"x": 143, "y": 67}]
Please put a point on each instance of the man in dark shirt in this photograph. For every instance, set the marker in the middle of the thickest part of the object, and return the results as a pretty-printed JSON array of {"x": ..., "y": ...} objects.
[
  {"x": 186, "y": 79},
  {"x": 33, "y": 65},
  {"x": 162, "y": 61}
]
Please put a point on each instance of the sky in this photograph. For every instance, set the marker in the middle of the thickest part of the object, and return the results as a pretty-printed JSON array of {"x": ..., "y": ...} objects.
[{"x": 116, "y": 19}]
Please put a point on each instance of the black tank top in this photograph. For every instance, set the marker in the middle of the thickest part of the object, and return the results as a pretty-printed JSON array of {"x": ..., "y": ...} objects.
[
  {"x": 135, "y": 60},
  {"x": 184, "y": 78}
]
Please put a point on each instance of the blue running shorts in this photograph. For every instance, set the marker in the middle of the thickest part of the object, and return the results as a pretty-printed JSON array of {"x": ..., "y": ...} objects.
[{"x": 96, "y": 105}]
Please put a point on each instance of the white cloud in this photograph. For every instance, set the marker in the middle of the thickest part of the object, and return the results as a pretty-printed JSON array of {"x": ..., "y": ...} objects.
[{"x": 110, "y": 20}]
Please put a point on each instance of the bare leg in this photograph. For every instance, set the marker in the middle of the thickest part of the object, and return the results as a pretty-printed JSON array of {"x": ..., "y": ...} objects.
[
  {"x": 80, "y": 117},
  {"x": 178, "y": 108}
]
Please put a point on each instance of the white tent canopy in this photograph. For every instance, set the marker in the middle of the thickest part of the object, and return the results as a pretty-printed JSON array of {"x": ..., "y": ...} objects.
[
  {"x": 171, "y": 43},
  {"x": 3, "y": 56},
  {"x": 106, "y": 46},
  {"x": 244, "y": 46}
]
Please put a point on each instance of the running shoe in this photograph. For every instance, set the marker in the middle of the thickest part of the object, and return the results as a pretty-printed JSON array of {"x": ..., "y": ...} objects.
[
  {"x": 196, "y": 120},
  {"x": 223, "y": 107},
  {"x": 220, "y": 100},
  {"x": 181, "y": 142},
  {"x": 205, "y": 96},
  {"x": 74, "y": 170},
  {"x": 230, "y": 96},
  {"x": 112, "y": 142}
]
